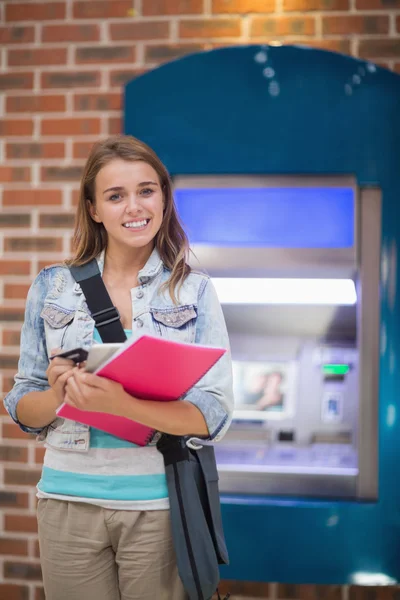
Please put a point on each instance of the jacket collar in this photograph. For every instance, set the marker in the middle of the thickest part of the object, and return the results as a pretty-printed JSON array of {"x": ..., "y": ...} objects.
[{"x": 150, "y": 270}]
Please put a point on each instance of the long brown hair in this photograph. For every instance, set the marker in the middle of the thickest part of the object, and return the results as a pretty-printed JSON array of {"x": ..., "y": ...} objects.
[{"x": 90, "y": 238}]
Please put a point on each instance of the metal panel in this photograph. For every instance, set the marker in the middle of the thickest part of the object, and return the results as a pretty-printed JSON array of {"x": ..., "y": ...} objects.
[{"x": 368, "y": 342}]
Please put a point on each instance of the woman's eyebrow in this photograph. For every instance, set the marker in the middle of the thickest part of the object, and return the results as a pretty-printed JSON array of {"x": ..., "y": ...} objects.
[
  {"x": 148, "y": 183},
  {"x": 113, "y": 189}
]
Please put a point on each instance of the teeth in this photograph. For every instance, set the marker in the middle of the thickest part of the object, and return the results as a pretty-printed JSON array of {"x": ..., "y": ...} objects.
[{"x": 136, "y": 225}]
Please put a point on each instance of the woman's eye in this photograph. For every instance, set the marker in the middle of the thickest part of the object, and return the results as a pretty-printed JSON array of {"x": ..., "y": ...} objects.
[
  {"x": 146, "y": 192},
  {"x": 115, "y": 197}
]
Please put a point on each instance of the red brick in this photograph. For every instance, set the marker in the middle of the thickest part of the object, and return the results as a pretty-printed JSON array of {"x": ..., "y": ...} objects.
[
  {"x": 61, "y": 220},
  {"x": 12, "y": 591},
  {"x": 31, "y": 198},
  {"x": 10, "y": 127},
  {"x": 172, "y": 7},
  {"x": 13, "y": 499},
  {"x": 73, "y": 173},
  {"x": 11, "y": 338},
  {"x": 144, "y": 30},
  {"x": 22, "y": 570},
  {"x": 32, "y": 104},
  {"x": 114, "y": 126},
  {"x": 382, "y": 48},
  {"x": 37, "y": 57},
  {"x": 209, "y": 28},
  {"x": 3, "y": 411},
  {"x": 100, "y": 102},
  {"x": 75, "y": 197},
  {"x": 262, "y": 26},
  {"x": 14, "y": 174},
  {"x": 73, "y": 79},
  {"x": 307, "y": 5},
  {"x": 35, "y": 150},
  {"x": 105, "y": 54},
  {"x": 71, "y": 33},
  {"x": 158, "y": 54},
  {"x": 39, "y": 454},
  {"x": 355, "y": 24},
  {"x": 32, "y": 244},
  {"x": 337, "y": 45},
  {"x": 310, "y": 592},
  {"x": 14, "y": 267},
  {"x": 245, "y": 589},
  {"x": 94, "y": 9},
  {"x": 13, "y": 453},
  {"x": 243, "y": 6},
  {"x": 28, "y": 477},
  {"x": 13, "y": 547},
  {"x": 81, "y": 149},
  {"x": 70, "y": 126},
  {"x": 39, "y": 594},
  {"x": 35, "y": 11},
  {"x": 7, "y": 384},
  {"x": 15, "y": 291},
  {"x": 42, "y": 264},
  {"x": 11, "y": 315},
  {"x": 384, "y": 5},
  {"x": 14, "y": 220},
  {"x": 118, "y": 78},
  {"x": 9, "y": 361},
  {"x": 17, "y": 35},
  {"x": 16, "y": 81},
  {"x": 398, "y": 24}
]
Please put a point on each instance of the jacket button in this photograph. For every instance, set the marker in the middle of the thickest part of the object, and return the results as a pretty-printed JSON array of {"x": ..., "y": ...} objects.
[
  {"x": 140, "y": 294},
  {"x": 139, "y": 323}
]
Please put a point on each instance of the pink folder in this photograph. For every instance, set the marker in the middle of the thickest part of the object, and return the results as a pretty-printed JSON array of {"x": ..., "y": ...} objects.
[{"x": 148, "y": 368}]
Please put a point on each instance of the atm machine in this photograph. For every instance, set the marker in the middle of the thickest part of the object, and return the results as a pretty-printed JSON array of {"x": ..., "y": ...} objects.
[
  {"x": 285, "y": 167},
  {"x": 296, "y": 268}
]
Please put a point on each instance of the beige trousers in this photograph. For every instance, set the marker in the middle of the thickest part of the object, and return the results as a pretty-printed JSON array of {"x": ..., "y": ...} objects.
[{"x": 92, "y": 553}]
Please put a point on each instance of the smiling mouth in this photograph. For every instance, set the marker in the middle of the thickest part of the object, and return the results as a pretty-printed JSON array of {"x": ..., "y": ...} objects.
[{"x": 137, "y": 225}]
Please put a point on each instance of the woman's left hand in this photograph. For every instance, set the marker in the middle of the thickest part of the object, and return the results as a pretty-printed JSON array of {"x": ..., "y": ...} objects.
[{"x": 86, "y": 391}]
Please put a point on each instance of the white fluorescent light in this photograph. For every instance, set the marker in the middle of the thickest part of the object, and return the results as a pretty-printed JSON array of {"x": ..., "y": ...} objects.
[
  {"x": 374, "y": 579},
  {"x": 285, "y": 291}
]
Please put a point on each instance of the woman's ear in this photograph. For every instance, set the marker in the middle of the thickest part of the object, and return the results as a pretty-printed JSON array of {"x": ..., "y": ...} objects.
[{"x": 92, "y": 211}]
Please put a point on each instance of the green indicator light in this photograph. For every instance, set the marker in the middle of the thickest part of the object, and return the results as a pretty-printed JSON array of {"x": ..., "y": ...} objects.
[{"x": 335, "y": 369}]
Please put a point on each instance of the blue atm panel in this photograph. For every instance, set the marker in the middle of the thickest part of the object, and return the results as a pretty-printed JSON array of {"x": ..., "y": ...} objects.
[{"x": 286, "y": 217}]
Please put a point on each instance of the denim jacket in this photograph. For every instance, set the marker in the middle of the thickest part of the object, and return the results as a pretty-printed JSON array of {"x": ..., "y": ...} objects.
[{"x": 57, "y": 316}]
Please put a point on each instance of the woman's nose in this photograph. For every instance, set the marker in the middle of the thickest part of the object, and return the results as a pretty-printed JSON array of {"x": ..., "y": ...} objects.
[{"x": 133, "y": 204}]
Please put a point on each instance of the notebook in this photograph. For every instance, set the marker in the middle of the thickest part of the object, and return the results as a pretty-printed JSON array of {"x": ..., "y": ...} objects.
[{"x": 150, "y": 368}]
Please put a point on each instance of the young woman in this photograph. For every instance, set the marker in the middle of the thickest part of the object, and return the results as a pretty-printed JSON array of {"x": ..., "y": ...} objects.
[{"x": 104, "y": 527}]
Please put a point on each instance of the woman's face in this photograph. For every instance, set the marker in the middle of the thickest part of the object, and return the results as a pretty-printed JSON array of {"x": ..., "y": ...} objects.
[{"x": 129, "y": 202}]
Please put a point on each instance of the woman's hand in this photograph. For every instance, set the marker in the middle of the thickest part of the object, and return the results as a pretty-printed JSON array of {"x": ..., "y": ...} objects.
[
  {"x": 86, "y": 391},
  {"x": 58, "y": 372}
]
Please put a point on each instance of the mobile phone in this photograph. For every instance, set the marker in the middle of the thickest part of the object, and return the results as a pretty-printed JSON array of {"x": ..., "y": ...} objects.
[
  {"x": 99, "y": 354},
  {"x": 78, "y": 355}
]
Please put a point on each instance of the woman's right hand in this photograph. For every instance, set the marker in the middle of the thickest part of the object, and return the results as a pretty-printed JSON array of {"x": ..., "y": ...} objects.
[{"x": 58, "y": 373}]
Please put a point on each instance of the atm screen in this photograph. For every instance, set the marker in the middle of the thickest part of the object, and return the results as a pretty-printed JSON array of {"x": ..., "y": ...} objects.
[{"x": 263, "y": 389}]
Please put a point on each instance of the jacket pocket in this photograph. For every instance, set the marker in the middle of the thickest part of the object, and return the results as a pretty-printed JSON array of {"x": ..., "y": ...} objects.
[
  {"x": 177, "y": 323},
  {"x": 56, "y": 322},
  {"x": 56, "y": 317}
]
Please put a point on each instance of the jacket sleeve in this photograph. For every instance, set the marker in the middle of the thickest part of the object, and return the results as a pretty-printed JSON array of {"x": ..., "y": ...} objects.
[
  {"x": 33, "y": 360},
  {"x": 213, "y": 394}
]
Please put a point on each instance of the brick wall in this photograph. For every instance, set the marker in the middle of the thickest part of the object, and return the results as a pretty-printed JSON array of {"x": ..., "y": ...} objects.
[{"x": 62, "y": 67}]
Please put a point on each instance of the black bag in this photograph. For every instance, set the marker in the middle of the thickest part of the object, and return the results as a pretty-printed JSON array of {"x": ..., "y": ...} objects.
[
  {"x": 197, "y": 532},
  {"x": 192, "y": 476}
]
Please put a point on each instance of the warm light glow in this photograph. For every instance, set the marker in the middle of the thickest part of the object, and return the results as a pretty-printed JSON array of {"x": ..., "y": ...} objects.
[{"x": 285, "y": 291}]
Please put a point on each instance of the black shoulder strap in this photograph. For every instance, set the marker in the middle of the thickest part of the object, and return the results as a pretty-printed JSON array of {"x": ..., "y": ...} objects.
[{"x": 104, "y": 313}]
